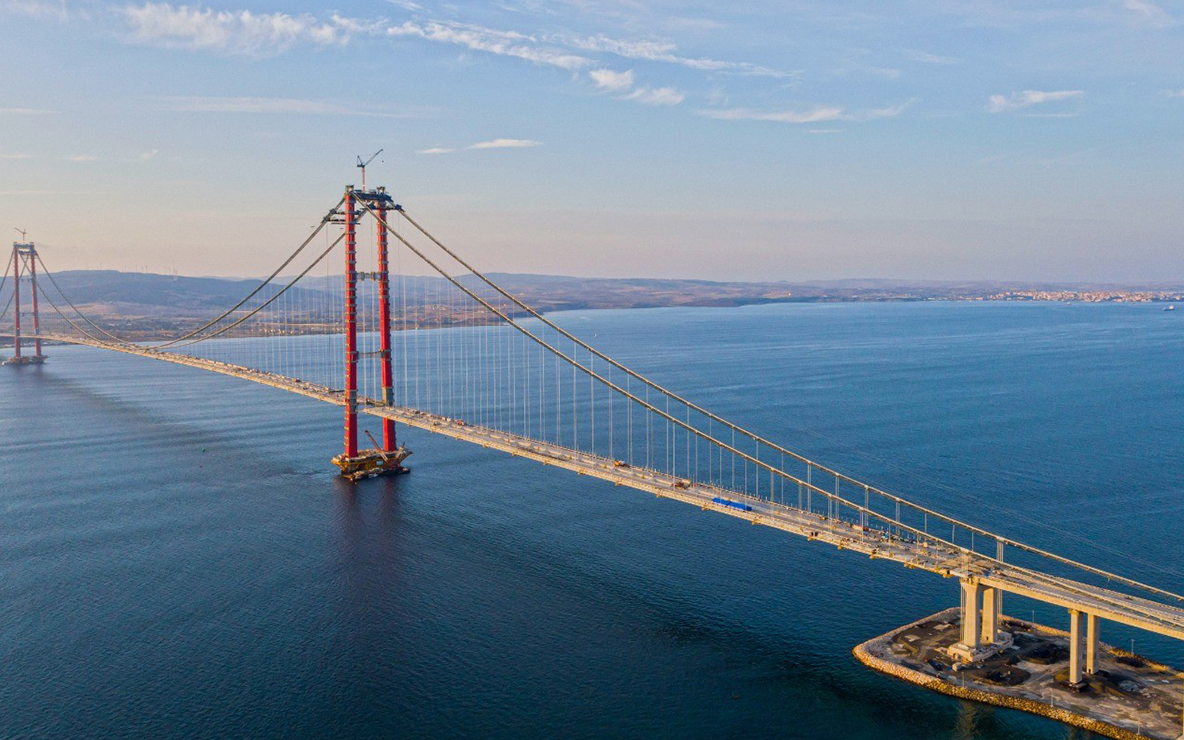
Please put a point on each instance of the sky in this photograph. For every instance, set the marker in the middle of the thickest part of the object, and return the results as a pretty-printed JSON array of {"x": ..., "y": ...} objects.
[{"x": 801, "y": 140}]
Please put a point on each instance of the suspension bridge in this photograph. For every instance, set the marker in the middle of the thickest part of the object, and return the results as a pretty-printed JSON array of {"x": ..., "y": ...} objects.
[{"x": 395, "y": 324}]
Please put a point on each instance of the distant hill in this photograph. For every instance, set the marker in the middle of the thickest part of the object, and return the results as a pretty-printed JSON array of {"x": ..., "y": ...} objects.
[
  {"x": 132, "y": 296},
  {"x": 147, "y": 294},
  {"x": 124, "y": 294}
]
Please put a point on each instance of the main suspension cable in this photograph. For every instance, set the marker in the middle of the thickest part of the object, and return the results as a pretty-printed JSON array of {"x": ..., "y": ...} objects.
[
  {"x": 761, "y": 440},
  {"x": 261, "y": 285},
  {"x": 7, "y": 267},
  {"x": 3, "y": 280},
  {"x": 66, "y": 298},
  {"x": 576, "y": 365},
  {"x": 670, "y": 394},
  {"x": 269, "y": 301},
  {"x": 66, "y": 318},
  {"x": 210, "y": 323}
]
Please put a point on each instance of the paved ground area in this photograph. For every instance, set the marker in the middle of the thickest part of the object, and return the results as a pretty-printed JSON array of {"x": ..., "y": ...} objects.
[{"x": 1128, "y": 692}]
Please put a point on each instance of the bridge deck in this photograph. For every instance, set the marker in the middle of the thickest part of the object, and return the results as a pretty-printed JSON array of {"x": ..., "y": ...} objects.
[
  {"x": 948, "y": 561},
  {"x": 935, "y": 556}
]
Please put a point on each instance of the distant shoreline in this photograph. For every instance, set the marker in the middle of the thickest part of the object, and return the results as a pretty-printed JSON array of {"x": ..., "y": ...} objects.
[
  {"x": 145, "y": 330},
  {"x": 148, "y": 307}
]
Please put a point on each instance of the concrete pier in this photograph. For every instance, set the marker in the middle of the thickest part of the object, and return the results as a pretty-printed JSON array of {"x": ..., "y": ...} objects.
[
  {"x": 1076, "y": 647},
  {"x": 971, "y": 613},
  {"x": 1091, "y": 644},
  {"x": 979, "y": 633},
  {"x": 1124, "y": 696},
  {"x": 990, "y": 615}
]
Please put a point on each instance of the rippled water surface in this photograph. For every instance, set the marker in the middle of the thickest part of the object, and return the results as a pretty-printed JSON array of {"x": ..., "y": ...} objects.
[{"x": 177, "y": 559}]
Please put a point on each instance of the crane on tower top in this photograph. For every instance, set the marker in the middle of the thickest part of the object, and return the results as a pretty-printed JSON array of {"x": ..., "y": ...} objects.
[{"x": 362, "y": 166}]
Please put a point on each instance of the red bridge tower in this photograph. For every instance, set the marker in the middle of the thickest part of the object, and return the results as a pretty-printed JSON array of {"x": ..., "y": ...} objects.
[{"x": 388, "y": 457}]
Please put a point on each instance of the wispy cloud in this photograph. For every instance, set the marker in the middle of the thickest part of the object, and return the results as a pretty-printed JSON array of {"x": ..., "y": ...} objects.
[
  {"x": 24, "y": 112},
  {"x": 1148, "y": 12},
  {"x": 656, "y": 96},
  {"x": 622, "y": 82},
  {"x": 232, "y": 32},
  {"x": 1174, "y": 93},
  {"x": 187, "y": 104},
  {"x": 490, "y": 144},
  {"x": 1017, "y": 100},
  {"x": 891, "y": 111},
  {"x": 244, "y": 32},
  {"x": 506, "y": 144},
  {"x": 856, "y": 67},
  {"x": 86, "y": 158},
  {"x": 914, "y": 55},
  {"x": 823, "y": 131},
  {"x": 817, "y": 114},
  {"x": 43, "y": 9},
  {"x": 16, "y": 155},
  {"x": 663, "y": 51},
  {"x": 607, "y": 79},
  {"x": 260, "y": 34},
  {"x": 809, "y": 115},
  {"x": 492, "y": 41}
]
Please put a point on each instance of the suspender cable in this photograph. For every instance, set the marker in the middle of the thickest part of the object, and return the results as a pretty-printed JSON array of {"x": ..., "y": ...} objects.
[
  {"x": 328, "y": 216},
  {"x": 169, "y": 343},
  {"x": 3, "y": 280},
  {"x": 892, "y": 497},
  {"x": 7, "y": 267},
  {"x": 576, "y": 365},
  {"x": 66, "y": 318},
  {"x": 269, "y": 301},
  {"x": 832, "y": 499},
  {"x": 66, "y": 298}
]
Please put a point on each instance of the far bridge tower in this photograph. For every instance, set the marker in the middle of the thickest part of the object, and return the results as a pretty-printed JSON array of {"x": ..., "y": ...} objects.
[{"x": 24, "y": 267}]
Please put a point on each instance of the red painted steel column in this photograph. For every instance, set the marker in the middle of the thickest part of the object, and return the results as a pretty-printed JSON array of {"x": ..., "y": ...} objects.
[
  {"x": 36, "y": 317},
  {"x": 16, "y": 300},
  {"x": 389, "y": 442},
  {"x": 351, "y": 327}
]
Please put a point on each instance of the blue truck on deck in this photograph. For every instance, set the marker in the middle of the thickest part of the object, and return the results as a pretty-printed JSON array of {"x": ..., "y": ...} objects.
[{"x": 733, "y": 504}]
